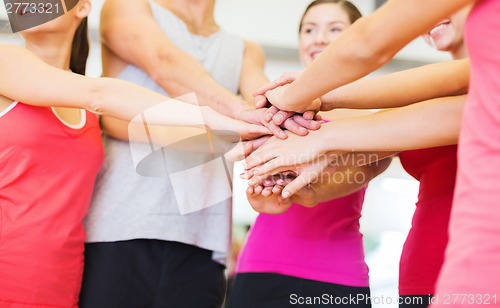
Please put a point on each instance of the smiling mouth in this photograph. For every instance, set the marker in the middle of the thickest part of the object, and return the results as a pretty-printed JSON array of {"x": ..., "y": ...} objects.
[
  {"x": 439, "y": 27},
  {"x": 315, "y": 54}
]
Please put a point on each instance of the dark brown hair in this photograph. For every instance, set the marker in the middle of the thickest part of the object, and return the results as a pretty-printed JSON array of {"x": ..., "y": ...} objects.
[
  {"x": 80, "y": 49},
  {"x": 351, "y": 10}
]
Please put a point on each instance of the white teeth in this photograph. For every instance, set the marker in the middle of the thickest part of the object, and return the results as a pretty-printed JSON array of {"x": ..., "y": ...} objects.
[{"x": 438, "y": 28}]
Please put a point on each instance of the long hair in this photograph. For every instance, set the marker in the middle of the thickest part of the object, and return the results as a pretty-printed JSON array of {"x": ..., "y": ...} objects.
[{"x": 80, "y": 49}]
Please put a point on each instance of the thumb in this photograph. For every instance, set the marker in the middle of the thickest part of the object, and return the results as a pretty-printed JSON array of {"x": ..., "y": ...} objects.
[{"x": 297, "y": 184}]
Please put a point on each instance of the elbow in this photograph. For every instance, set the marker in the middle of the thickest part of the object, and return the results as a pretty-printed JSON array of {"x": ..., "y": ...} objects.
[
  {"x": 157, "y": 64},
  {"x": 96, "y": 94}
]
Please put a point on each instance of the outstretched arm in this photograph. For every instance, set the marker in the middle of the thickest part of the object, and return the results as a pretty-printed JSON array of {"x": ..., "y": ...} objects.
[
  {"x": 21, "y": 80},
  {"x": 130, "y": 33},
  {"x": 361, "y": 49},
  {"x": 431, "y": 123},
  {"x": 331, "y": 185},
  {"x": 129, "y": 30},
  {"x": 402, "y": 88}
]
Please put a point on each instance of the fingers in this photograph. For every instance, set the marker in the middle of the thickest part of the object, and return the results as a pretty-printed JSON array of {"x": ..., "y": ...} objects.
[
  {"x": 258, "y": 189},
  {"x": 294, "y": 127},
  {"x": 250, "y": 191},
  {"x": 282, "y": 80},
  {"x": 268, "y": 117},
  {"x": 281, "y": 116},
  {"x": 260, "y": 101},
  {"x": 257, "y": 143},
  {"x": 255, "y": 129},
  {"x": 309, "y": 115},
  {"x": 276, "y": 130},
  {"x": 256, "y": 180},
  {"x": 274, "y": 165},
  {"x": 267, "y": 191},
  {"x": 258, "y": 157},
  {"x": 297, "y": 184},
  {"x": 305, "y": 123},
  {"x": 260, "y": 174},
  {"x": 277, "y": 189}
]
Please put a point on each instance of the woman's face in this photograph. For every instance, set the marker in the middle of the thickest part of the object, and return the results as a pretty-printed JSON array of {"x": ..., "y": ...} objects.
[
  {"x": 448, "y": 34},
  {"x": 321, "y": 25}
]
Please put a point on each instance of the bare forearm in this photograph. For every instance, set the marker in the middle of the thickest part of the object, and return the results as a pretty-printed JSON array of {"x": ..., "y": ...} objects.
[
  {"x": 402, "y": 88},
  {"x": 336, "y": 183},
  {"x": 129, "y": 30},
  {"x": 160, "y": 135},
  {"x": 179, "y": 74},
  {"x": 126, "y": 101},
  {"x": 362, "y": 48},
  {"x": 427, "y": 124}
]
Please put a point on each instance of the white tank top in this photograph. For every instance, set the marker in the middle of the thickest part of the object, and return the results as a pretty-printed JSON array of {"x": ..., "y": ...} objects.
[{"x": 129, "y": 206}]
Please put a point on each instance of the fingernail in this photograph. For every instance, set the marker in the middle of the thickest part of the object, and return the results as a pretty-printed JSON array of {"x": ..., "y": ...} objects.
[
  {"x": 286, "y": 194},
  {"x": 268, "y": 117},
  {"x": 244, "y": 176},
  {"x": 278, "y": 118}
]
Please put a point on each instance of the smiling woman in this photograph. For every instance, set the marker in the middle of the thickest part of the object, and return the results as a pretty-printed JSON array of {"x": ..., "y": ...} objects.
[
  {"x": 317, "y": 27},
  {"x": 309, "y": 255}
]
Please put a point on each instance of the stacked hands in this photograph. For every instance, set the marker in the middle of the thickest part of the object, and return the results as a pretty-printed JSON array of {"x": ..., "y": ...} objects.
[{"x": 277, "y": 166}]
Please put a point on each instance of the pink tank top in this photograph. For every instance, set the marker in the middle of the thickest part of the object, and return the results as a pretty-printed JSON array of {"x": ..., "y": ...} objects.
[
  {"x": 47, "y": 174},
  {"x": 473, "y": 254},
  {"x": 321, "y": 243}
]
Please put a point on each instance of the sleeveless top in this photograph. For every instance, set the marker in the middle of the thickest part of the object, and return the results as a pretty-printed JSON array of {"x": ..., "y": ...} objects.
[
  {"x": 321, "y": 243},
  {"x": 423, "y": 251},
  {"x": 47, "y": 174},
  {"x": 128, "y": 205}
]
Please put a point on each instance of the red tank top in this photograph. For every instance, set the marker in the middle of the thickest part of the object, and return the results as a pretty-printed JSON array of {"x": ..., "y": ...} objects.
[
  {"x": 47, "y": 174},
  {"x": 423, "y": 251}
]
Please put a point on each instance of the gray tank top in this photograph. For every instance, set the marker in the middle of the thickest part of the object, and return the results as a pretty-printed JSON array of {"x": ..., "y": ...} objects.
[{"x": 129, "y": 206}]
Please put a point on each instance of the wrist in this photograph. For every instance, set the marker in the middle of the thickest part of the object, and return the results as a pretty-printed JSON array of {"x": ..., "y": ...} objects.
[
  {"x": 292, "y": 101},
  {"x": 319, "y": 136},
  {"x": 210, "y": 116},
  {"x": 328, "y": 101}
]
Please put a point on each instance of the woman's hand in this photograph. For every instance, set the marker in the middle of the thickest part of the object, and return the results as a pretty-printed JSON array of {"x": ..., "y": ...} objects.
[
  {"x": 278, "y": 155},
  {"x": 274, "y": 92},
  {"x": 295, "y": 123},
  {"x": 266, "y": 197},
  {"x": 284, "y": 79},
  {"x": 246, "y": 130}
]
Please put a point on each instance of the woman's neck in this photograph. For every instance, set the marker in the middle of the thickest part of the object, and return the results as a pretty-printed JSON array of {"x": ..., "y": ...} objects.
[
  {"x": 198, "y": 15},
  {"x": 53, "y": 50}
]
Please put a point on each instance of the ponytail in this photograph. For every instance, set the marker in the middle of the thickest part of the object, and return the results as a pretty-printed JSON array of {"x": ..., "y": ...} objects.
[{"x": 80, "y": 49}]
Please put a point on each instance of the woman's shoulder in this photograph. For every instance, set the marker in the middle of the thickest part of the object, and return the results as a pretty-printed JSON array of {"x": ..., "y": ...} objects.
[
  {"x": 10, "y": 47},
  {"x": 11, "y": 52}
]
